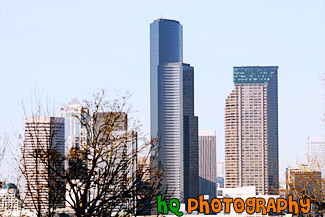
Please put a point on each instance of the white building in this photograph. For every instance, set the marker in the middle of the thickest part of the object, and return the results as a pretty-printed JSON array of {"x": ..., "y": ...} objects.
[
  {"x": 9, "y": 198},
  {"x": 316, "y": 154},
  {"x": 74, "y": 131},
  {"x": 243, "y": 193},
  {"x": 221, "y": 169}
]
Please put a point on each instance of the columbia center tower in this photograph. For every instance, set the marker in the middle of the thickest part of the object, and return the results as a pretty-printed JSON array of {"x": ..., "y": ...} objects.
[{"x": 172, "y": 109}]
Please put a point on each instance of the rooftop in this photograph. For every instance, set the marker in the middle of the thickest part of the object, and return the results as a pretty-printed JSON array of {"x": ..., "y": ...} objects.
[
  {"x": 165, "y": 20},
  {"x": 74, "y": 102}
]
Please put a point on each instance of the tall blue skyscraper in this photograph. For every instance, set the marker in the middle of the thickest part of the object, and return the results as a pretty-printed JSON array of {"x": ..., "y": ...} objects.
[{"x": 172, "y": 109}]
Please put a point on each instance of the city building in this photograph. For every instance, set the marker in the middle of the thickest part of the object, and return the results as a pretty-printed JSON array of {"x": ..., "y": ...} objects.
[
  {"x": 172, "y": 109},
  {"x": 74, "y": 132},
  {"x": 244, "y": 193},
  {"x": 221, "y": 169},
  {"x": 207, "y": 163},
  {"x": 113, "y": 132},
  {"x": 251, "y": 130},
  {"x": 9, "y": 198},
  {"x": 143, "y": 164},
  {"x": 44, "y": 190},
  {"x": 301, "y": 180},
  {"x": 143, "y": 200},
  {"x": 220, "y": 182},
  {"x": 316, "y": 154}
]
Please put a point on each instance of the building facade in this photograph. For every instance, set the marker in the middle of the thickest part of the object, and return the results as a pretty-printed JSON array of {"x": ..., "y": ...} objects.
[
  {"x": 316, "y": 154},
  {"x": 172, "y": 109},
  {"x": 243, "y": 193},
  {"x": 74, "y": 131},
  {"x": 221, "y": 169},
  {"x": 9, "y": 198},
  {"x": 251, "y": 130},
  {"x": 44, "y": 190},
  {"x": 207, "y": 163},
  {"x": 302, "y": 181}
]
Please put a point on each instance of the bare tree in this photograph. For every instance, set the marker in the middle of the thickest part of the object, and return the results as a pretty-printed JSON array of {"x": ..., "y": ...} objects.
[
  {"x": 305, "y": 183},
  {"x": 101, "y": 177}
]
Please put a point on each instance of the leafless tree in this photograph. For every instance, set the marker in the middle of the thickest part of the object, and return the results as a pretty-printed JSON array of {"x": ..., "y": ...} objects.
[
  {"x": 304, "y": 182},
  {"x": 100, "y": 176}
]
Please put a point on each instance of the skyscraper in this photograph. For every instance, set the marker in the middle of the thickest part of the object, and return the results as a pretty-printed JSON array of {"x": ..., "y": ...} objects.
[
  {"x": 316, "y": 154},
  {"x": 207, "y": 163},
  {"x": 172, "y": 108},
  {"x": 44, "y": 189},
  {"x": 251, "y": 130},
  {"x": 74, "y": 131},
  {"x": 221, "y": 169}
]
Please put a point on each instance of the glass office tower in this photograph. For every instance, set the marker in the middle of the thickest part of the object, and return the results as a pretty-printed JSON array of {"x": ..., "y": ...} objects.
[
  {"x": 251, "y": 130},
  {"x": 172, "y": 108}
]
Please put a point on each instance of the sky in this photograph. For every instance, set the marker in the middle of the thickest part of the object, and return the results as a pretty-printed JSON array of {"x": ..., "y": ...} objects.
[{"x": 60, "y": 49}]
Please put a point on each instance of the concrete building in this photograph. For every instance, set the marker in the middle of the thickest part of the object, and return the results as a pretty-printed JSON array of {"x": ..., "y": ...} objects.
[
  {"x": 123, "y": 142},
  {"x": 75, "y": 133},
  {"x": 243, "y": 193},
  {"x": 43, "y": 134},
  {"x": 9, "y": 199},
  {"x": 172, "y": 109},
  {"x": 207, "y": 163},
  {"x": 301, "y": 180},
  {"x": 220, "y": 182},
  {"x": 251, "y": 130},
  {"x": 221, "y": 169},
  {"x": 316, "y": 154}
]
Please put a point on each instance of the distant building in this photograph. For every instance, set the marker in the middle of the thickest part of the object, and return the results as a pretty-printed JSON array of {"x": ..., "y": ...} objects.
[
  {"x": 243, "y": 193},
  {"x": 301, "y": 180},
  {"x": 125, "y": 142},
  {"x": 251, "y": 130},
  {"x": 221, "y": 169},
  {"x": 143, "y": 164},
  {"x": 43, "y": 134},
  {"x": 220, "y": 182},
  {"x": 316, "y": 154},
  {"x": 9, "y": 198},
  {"x": 74, "y": 131},
  {"x": 143, "y": 200},
  {"x": 207, "y": 163}
]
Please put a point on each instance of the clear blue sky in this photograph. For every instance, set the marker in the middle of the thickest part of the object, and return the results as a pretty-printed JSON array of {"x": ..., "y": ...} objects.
[{"x": 72, "y": 48}]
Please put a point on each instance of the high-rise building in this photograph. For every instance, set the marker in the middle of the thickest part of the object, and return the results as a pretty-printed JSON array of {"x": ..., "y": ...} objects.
[
  {"x": 172, "y": 109},
  {"x": 251, "y": 130},
  {"x": 221, "y": 169},
  {"x": 123, "y": 142},
  {"x": 207, "y": 163},
  {"x": 74, "y": 132},
  {"x": 316, "y": 154},
  {"x": 44, "y": 189}
]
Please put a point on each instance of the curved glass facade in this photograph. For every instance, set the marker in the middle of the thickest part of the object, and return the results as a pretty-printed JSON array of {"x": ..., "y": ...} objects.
[{"x": 172, "y": 108}]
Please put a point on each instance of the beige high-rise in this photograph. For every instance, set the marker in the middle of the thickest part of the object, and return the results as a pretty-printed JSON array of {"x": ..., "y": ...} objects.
[
  {"x": 251, "y": 130},
  {"x": 44, "y": 189}
]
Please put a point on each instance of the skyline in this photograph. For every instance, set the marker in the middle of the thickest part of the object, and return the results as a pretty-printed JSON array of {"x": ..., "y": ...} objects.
[{"x": 297, "y": 47}]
